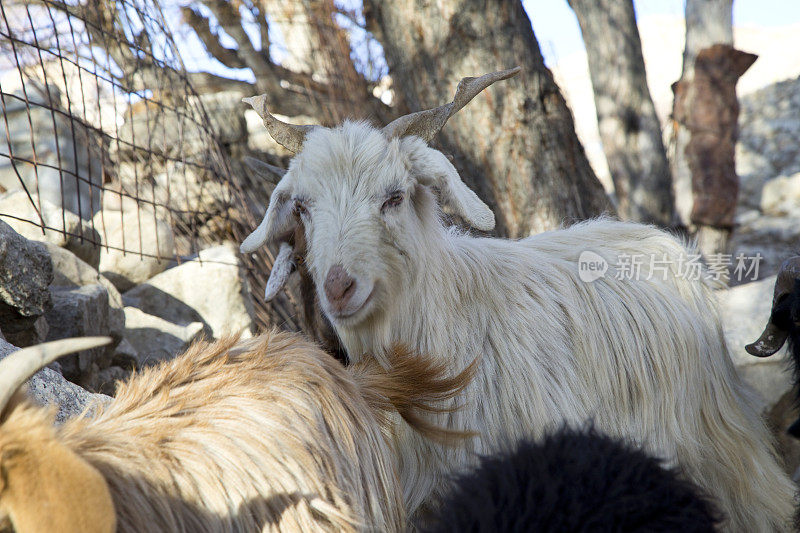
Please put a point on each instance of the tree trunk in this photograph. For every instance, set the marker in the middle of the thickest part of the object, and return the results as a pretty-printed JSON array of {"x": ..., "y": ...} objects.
[
  {"x": 629, "y": 127},
  {"x": 707, "y": 22},
  {"x": 515, "y": 144},
  {"x": 705, "y": 113}
]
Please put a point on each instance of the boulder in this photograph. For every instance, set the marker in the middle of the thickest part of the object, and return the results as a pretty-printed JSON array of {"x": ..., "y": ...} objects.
[
  {"x": 769, "y": 130},
  {"x": 209, "y": 289},
  {"x": 48, "y": 387},
  {"x": 78, "y": 312},
  {"x": 68, "y": 151},
  {"x": 125, "y": 355},
  {"x": 156, "y": 339},
  {"x": 63, "y": 228},
  {"x": 36, "y": 334},
  {"x": 772, "y": 237},
  {"x": 781, "y": 196},
  {"x": 110, "y": 377},
  {"x": 25, "y": 274},
  {"x": 139, "y": 245},
  {"x": 187, "y": 194},
  {"x": 70, "y": 271}
]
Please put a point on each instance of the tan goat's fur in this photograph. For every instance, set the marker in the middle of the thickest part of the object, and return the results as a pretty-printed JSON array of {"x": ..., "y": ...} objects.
[
  {"x": 45, "y": 487},
  {"x": 268, "y": 434}
]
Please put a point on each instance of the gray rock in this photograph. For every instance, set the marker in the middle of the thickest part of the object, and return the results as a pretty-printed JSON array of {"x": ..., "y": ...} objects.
[
  {"x": 35, "y": 334},
  {"x": 149, "y": 242},
  {"x": 774, "y": 238},
  {"x": 70, "y": 271},
  {"x": 224, "y": 109},
  {"x": 210, "y": 289},
  {"x": 108, "y": 378},
  {"x": 768, "y": 135},
  {"x": 781, "y": 195},
  {"x": 182, "y": 193},
  {"x": 25, "y": 274},
  {"x": 125, "y": 355},
  {"x": 48, "y": 387},
  {"x": 69, "y": 152},
  {"x": 68, "y": 229},
  {"x": 155, "y": 339},
  {"x": 78, "y": 312}
]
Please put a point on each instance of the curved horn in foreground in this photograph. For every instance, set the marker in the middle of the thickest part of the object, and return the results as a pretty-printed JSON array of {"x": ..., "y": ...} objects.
[
  {"x": 287, "y": 135},
  {"x": 19, "y": 366},
  {"x": 426, "y": 124},
  {"x": 773, "y": 337}
]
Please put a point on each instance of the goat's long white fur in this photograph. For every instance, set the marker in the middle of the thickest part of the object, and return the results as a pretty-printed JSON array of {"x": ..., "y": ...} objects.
[{"x": 644, "y": 358}]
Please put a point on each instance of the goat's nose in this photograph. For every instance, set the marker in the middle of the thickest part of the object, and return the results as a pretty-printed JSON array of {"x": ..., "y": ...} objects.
[{"x": 339, "y": 287}]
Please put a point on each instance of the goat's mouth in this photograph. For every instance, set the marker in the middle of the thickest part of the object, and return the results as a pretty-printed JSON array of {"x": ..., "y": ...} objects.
[{"x": 351, "y": 313}]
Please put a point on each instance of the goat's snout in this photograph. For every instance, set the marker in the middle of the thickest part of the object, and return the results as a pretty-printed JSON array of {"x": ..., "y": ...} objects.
[{"x": 339, "y": 287}]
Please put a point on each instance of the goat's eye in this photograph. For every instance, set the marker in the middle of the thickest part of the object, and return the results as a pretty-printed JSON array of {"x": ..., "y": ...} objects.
[
  {"x": 300, "y": 208},
  {"x": 393, "y": 201}
]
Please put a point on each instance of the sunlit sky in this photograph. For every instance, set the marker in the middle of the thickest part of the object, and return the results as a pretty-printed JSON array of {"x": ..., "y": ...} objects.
[{"x": 559, "y": 35}]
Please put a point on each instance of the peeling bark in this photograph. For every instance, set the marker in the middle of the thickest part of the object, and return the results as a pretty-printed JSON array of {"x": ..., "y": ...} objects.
[
  {"x": 707, "y": 107},
  {"x": 705, "y": 114}
]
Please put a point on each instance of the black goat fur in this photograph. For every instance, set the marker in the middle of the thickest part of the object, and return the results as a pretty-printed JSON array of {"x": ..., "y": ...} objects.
[
  {"x": 573, "y": 481},
  {"x": 786, "y": 315}
]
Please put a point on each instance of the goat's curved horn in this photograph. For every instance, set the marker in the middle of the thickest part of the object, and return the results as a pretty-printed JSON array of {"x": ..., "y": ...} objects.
[
  {"x": 264, "y": 170},
  {"x": 773, "y": 337},
  {"x": 19, "y": 366},
  {"x": 289, "y": 136},
  {"x": 426, "y": 124},
  {"x": 281, "y": 270}
]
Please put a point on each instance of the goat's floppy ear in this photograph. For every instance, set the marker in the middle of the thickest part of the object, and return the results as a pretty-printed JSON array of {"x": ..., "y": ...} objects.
[
  {"x": 282, "y": 268},
  {"x": 431, "y": 167},
  {"x": 277, "y": 221}
]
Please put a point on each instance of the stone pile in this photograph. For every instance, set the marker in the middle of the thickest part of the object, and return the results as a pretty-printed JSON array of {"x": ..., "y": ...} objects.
[
  {"x": 152, "y": 309},
  {"x": 768, "y": 164}
]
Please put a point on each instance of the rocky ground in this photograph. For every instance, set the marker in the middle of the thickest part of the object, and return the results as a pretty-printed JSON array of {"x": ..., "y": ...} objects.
[{"x": 152, "y": 308}]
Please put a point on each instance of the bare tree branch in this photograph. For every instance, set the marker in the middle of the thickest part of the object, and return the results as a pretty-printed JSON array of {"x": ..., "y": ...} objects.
[
  {"x": 202, "y": 27},
  {"x": 231, "y": 23}
]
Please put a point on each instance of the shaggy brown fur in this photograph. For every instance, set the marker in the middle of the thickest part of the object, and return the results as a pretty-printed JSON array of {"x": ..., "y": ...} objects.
[
  {"x": 269, "y": 434},
  {"x": 34, "y": 472}
]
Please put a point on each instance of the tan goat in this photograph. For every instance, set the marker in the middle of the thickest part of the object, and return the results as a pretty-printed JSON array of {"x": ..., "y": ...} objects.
[{"x": 261, "y": 435}]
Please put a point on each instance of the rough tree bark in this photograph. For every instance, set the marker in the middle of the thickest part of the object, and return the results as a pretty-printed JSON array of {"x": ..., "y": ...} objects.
[
  {"x": 629, "y": 127},
  {"x": 705, "y": 113},
  {"x": 516, "y": 142},
  {"x": 707, "y": 22}
]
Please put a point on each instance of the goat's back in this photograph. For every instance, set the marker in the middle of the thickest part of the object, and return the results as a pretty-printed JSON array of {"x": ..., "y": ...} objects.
[{"x": 271, "y": 433}]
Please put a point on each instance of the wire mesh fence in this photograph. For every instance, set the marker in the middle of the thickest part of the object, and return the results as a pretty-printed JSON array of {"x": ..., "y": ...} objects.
[{"x": 105, "y": 143}]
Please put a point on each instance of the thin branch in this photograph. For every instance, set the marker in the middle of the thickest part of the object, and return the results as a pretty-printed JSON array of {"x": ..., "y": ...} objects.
[
  {"x": 211, "y": 42},
  {"x": 231, "y": 23}
]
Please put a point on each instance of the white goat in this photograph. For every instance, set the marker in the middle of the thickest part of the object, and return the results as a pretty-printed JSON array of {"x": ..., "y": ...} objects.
[{"x": 644, "y": 358}]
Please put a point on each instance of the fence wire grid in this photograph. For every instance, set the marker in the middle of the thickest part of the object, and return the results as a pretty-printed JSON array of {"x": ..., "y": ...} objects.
[
  {"x": 107, "y": 140},
  {"x": 104, "y": 141}
]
